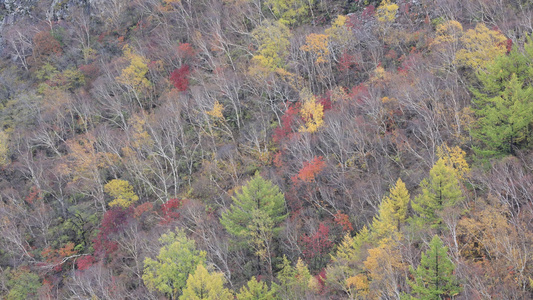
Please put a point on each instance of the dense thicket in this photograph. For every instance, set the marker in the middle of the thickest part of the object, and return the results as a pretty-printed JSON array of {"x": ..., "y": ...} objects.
[{"x": 266, "y": 149}]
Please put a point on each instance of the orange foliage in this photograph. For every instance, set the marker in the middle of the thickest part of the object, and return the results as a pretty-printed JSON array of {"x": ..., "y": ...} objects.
[
  {"x": 310, "y": 170},
  {"x": 45, "y": 45},
  {"x": 141, "y": 209},
  {"x": 344, "y": 221}
]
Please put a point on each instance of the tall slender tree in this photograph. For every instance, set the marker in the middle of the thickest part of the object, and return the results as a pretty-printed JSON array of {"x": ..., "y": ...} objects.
[
  {"x": 255, "y": 215},
  {"x": 392, "y": 212},
  {"x": 434, "y": 278},
  {"x": 441, "y": 191}
]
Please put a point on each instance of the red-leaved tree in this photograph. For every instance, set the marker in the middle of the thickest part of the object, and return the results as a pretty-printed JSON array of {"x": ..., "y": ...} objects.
[
  {"x": 310, "y": 170},
  {"x": 344, "y": 221},
  {"x": 316, "y": 247},
  {"x": 113, "y": 222},
  {"x": 287, "y": 122},
  {"x": 180, "y": 78},
  {"x": 169, "y": 211}
]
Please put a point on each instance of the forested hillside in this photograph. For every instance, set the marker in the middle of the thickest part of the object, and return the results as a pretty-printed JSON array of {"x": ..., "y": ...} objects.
[{"x": 266, "y": 149}]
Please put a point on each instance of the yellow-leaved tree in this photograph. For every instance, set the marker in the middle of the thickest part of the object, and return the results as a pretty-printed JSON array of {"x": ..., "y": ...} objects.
[
  {"x": 338, "y": 32},
  {"x": 385, "y": 270},
  {"x": 386, "y": 11},
  {"x": 344, "y": 270},
  {"x": 122, "y": 193},
  {"x": 317, "y": 44},
  {"x": 273, "y": 45},
  {"x": 481, "y": 45},
  {"x": 134, "y": 75},
  {"x": 4, "y": 150},
  {"x": 205, "y": 285},
  {"x": 448, "y": 32},
  {"x": 312, "y": 112},
  {"x": 217, "y": 110},
  {"x": 454, "y": 157},
  {"x": 392, "y": 214},
  {"x": 140, "y": 138},
  {"x": 290, "y": 11}
]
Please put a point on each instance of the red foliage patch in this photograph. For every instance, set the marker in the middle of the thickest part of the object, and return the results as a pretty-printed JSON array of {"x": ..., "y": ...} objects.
[
  {"x": 346, "y": 62},
  {"x": 509, "y": 45},
  {"x": 317, "y": 244},
  {"x": 113, "y": 221},
  {"x": 90, "y": 72},
  {"x": 169, "y": 210},
  {"x": 344, "y": 221},
  {"x": 55, "y": 257},
  {"x": 287, "y": 121},
  {"x": 321, "y": 278},
  {"x": 33, "y": 195},
  {"x": 180, "y": 78},
  {"x": 45, "y": 45},
  {"x": 85, "y": 262},
  {"x": 359, "y": 93},
  {"x": 141, "y": 209},
  {"x": 409, "y": 62},
  {"x": 368, "y": 12},
  {"x": 310, "y": 170},
  {"x": 185, "y": 50},
  {"x": 325, "y": 101}
]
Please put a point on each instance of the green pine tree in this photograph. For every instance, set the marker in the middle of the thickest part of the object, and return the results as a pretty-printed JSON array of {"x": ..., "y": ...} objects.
[
  {"x": 504, "y": 103},
  {"x": 257, "y": 195},
  {"x": 434, "y": 278},
  {"x": 441, "y": 191},
  {"x": 505, "y": 120},
  {"x": 254, "y": 217},
  {"x": 294, "y": 281}
]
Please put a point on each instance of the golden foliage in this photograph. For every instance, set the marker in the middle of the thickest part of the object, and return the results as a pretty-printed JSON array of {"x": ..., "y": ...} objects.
[
  {"x": 448, "y": 32},
  {"x": 273, "y": 48},
  {"x": 489, "y": 232},
  {"x": 140, "y": 137},
  {"x": 380, "y": 74},
  {"x": 312, "y": 112},
  {"x": 83, "y": 161},
  {"x": 382, "y": 261},
  {"x": 339, "y": 32},
  {"x": 314, "y": 284},
  {"x": 455, "y": 158},
  {"x": 386, "y": 12},
  {"x": 360, "y": 283},
  {"x": 481, "y": 45},
  {"x": 203, "y": 284},
  {"x": 383, "y": 265},
  {"x": 217, "y": 110},
  {"x": 290, "y": 11},
  {"x": 4, "y": 150},
  {"x": 134, "y": 75},
  {"x": 392, "y": 214},
  {"x": 122, "y": 193},
  {"x": 318, "y": 45}
]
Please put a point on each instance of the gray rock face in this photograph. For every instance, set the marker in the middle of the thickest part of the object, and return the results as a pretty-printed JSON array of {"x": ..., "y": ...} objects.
[
  {"x": 17, "y": 7},
  {"x": 13, "y": 10}
]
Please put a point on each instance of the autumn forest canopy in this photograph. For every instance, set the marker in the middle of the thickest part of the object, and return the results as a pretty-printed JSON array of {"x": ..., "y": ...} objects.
[{"x": 266, "y": 149}]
